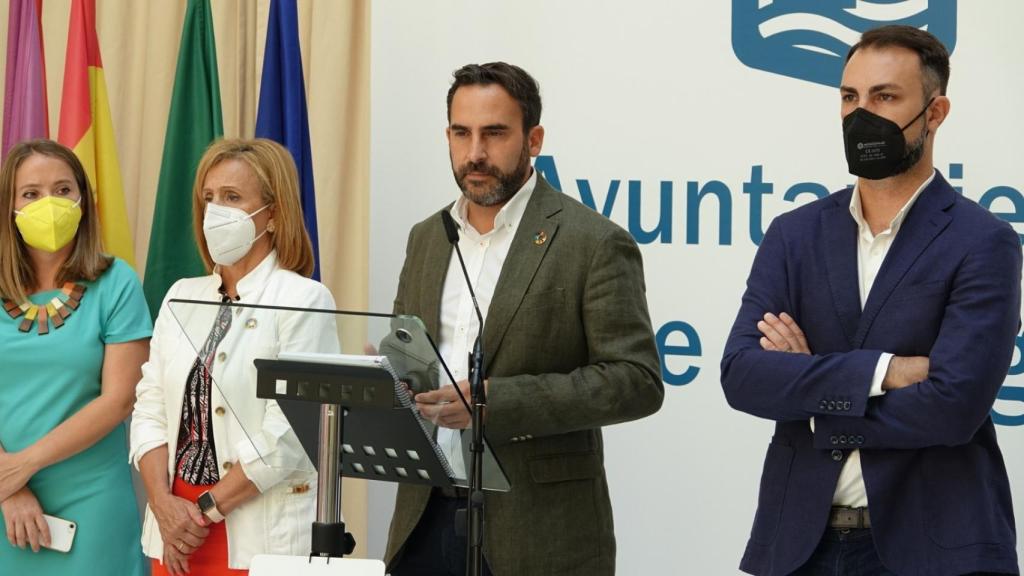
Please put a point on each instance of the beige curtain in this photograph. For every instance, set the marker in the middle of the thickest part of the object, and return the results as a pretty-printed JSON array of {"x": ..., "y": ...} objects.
[{"x": 139, "y": 43}]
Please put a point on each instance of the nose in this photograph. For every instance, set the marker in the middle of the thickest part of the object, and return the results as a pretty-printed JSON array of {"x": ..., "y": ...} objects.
[{"x": 477, "y": 150}]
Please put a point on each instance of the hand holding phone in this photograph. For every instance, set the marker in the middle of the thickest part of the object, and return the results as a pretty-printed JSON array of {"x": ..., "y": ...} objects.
[{"x": 62, "y": 533}]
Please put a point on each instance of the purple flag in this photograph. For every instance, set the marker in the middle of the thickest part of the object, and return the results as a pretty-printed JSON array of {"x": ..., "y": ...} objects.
[{"x": 25, "y": 108}]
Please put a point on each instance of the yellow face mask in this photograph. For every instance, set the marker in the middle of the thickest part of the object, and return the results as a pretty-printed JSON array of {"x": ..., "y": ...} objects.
[{"x": 49, "y": 223}]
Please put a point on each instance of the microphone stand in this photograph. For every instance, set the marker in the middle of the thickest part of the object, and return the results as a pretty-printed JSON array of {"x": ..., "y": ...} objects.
[
  {"x": 476, "y": 477},
  {"x": 475, "y": 502}
]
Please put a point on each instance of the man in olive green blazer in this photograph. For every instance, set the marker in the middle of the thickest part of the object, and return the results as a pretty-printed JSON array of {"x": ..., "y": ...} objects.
[{"x": 568, "y": 345}]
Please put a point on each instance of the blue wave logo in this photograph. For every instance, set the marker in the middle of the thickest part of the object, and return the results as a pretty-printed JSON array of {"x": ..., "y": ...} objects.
[{"x": 809, "y": 39}]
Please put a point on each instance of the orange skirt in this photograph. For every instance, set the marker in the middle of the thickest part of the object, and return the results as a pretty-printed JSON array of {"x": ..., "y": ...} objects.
[{"x": 210, "y": 559}]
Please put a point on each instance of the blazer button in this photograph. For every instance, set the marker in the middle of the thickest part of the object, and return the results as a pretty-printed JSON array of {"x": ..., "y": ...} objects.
[
  {"x": 842, "y": 439},
  {"x": 222, "y": 356},
  {"x": 846, "y": 405},
  {"x": 837, "y": 455},
  {"x": 227, "y": 466},
  {"x": 823, "y": 405},
  {"x": 831, "y": 404},
  {"x": 860, "y": 439},
  {"x": 834, "y": 439},
  {"x": 219, "y": 411}
]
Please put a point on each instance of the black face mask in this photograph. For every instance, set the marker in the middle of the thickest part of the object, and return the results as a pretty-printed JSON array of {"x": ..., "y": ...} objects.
[{"x": 875, "y": 146}]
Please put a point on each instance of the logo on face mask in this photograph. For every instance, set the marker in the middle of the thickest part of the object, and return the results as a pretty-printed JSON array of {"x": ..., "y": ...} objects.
[
  {"x": 808, "y": 39},
  {"x": 229, "y": 233},
  {"x": 49, "y": 223}
]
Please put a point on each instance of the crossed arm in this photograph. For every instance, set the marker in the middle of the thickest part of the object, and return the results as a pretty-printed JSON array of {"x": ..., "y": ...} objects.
[
  {"x": 782, "y": 334},
  {"x": 939, "y": 400}
]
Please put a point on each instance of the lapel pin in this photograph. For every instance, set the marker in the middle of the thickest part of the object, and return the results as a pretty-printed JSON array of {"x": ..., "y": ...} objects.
[{"x": 540, "y": 238}]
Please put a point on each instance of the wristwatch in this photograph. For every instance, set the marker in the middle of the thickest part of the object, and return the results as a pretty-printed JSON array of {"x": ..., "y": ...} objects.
[{"x": 209, "y": 507}]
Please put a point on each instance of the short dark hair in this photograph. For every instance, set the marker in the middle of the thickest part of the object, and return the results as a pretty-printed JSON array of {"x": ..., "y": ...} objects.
[
  {"x": 932, "y": 53},
  {"x": 516, "y": 81}
]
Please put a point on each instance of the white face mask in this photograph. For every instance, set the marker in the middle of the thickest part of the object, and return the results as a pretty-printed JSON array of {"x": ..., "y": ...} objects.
[{"x": 229, "y": 233}]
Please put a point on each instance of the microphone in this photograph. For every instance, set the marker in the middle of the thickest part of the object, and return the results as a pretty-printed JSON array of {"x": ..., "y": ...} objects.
[
  {"x": 451, "y": 229},
  {"x": 476, "y": 358}
]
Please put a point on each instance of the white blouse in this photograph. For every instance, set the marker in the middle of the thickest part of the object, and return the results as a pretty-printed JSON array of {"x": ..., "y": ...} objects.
[{"x": 247, "y": 431}]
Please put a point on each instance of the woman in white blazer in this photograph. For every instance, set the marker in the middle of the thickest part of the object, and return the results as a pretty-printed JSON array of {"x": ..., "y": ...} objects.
[{"x": 224, "y": 474}]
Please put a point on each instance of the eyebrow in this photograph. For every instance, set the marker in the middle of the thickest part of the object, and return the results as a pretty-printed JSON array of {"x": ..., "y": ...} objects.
[
  {"x": 225, "y": 188},
  {"x": 487, "y": 127},
  {"x": 61, "y": 182},
  {"x": 874, "y": 89}
]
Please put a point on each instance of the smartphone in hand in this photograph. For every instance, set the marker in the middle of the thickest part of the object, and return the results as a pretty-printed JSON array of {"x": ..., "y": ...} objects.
[{"x": 62, "y": 533}]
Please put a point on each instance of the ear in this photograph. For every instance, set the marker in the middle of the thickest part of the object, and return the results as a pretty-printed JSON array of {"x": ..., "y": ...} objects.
[
  {"x": 448, "y": 134},
  {"x": 535, "y": 139},
  {"x": 937, "y": 113},
  {"x": 271, "y": 212}
]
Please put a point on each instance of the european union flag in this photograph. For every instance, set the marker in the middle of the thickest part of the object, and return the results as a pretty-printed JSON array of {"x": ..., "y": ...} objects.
[{"x": 283, "y": 115}]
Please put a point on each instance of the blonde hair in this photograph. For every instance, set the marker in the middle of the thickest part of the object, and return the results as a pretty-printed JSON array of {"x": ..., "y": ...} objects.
[
  {"x": 86, "y": 261},
  {"x": 274, "y": 168}
]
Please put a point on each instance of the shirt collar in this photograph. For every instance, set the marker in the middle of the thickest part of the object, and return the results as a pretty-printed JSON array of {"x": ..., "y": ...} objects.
[
  {"x": 253, "y": 283},
  {"x": 509, "y": 215},
  {"x": 857, "y": 210}
]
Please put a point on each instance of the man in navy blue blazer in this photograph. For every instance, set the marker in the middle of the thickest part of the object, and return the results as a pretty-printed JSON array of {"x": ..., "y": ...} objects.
[{"x": 876, "y": 329}]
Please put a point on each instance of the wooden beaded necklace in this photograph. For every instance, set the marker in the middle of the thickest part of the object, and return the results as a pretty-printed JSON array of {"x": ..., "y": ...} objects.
[{"x": 56, "y": 310}]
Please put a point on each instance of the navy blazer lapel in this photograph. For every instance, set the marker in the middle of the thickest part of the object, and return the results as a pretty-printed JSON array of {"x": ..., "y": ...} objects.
[
  {"x": 840, "y": 246},
  {"x": 926, "y": 219},
  {"x": 437, "y": 255},
  {"x": 534, "y": 236}
]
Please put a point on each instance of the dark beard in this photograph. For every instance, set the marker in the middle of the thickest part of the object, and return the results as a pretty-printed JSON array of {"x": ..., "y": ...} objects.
[
  {"x": 507, "y": 183},
  {"x": 913, "y": 154}
]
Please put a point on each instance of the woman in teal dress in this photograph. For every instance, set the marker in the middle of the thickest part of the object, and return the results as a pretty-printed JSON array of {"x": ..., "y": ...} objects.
[{"x": 74, "y": 332}]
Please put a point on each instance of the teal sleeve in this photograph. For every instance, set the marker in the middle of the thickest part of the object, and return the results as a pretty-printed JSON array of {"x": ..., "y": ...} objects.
[{"x": 125, "y": 314}]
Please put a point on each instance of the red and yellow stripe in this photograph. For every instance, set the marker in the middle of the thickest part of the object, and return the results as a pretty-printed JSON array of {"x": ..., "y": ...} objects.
[{"x": 87, "y": 128}]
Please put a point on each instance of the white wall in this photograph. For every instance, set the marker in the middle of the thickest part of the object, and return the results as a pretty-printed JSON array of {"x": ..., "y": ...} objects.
[{"x": 652, "y": 91}]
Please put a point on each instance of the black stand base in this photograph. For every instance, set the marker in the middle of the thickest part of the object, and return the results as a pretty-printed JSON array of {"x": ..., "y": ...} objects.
[{"x": 331, "y": 539}]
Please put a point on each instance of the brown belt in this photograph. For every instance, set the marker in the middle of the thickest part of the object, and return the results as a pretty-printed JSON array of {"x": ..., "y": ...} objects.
[{"x": 846, "y": 518}]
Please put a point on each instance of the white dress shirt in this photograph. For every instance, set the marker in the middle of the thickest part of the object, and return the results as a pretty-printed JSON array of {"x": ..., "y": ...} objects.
[
  {"x": 484, "y": 255},
  {"x": 871, "y": 251}
]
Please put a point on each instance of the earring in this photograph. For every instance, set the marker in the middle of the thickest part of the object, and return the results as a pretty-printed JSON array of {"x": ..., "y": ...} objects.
[{"x": 270, "y": 227}]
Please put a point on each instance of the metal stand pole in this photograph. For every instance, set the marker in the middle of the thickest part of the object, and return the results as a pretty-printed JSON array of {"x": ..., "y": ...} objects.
[
  {"x": 475, "y": 503},
  {"x": 329, "y": 536}
]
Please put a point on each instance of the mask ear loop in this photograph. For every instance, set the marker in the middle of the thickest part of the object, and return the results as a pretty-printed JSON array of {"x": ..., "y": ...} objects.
[
  {"x": 266, "y": 228},
  {"x": 261, "y": 209},
  {"x": 919, "y": 114}
]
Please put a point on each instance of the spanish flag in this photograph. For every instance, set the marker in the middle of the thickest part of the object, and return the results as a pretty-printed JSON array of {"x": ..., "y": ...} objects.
[{"x": 86, "y": 127}]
